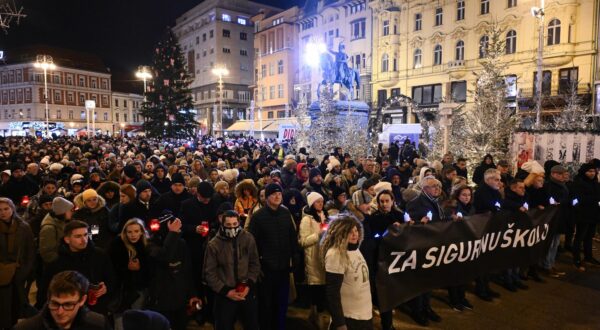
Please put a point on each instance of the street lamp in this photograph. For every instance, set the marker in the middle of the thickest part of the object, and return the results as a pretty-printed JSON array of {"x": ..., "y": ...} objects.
[
  {"x": 46, "y": 63},
  {"x": 539, "y": 14},
  {"x": 312, "y": 53},
  {"x": 143, "y": 73},
  {"x": 220, "y": 72},
  {"x": 122, "y": 129}
]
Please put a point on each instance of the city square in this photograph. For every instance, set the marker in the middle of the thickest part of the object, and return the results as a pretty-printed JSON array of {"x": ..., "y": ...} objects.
[{"x": 317, "y": 164}]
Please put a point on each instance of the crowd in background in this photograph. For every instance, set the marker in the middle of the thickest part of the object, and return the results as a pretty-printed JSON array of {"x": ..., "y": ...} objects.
[{"x": 110, "y": 232}]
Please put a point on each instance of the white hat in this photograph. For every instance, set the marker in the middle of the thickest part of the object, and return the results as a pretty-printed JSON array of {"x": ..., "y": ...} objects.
[
  {"x": 76, "y": 177},
  {"x": 56, "y": 167},
  {"x": 333, "y": 162},
  {"x": 312, "y": 197},
  {"x": 6, "y": 172},
  {"x": 381, "y": 186},
  {"x": 532, "y": 167}
]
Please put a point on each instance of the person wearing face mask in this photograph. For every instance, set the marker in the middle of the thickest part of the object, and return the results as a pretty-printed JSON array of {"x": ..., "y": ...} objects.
[
  {"x": 231, "y": 269},
  {"x": 128, "y": 253}
]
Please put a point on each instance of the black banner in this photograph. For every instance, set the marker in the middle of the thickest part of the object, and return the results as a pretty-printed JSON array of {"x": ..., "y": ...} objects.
[{"x": 414, "y": 259}]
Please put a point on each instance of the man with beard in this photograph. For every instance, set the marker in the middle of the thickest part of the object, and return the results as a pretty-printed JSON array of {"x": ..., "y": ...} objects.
[
  {"x": 315, "y": 183},
  {"x": 172, "y": 200}
]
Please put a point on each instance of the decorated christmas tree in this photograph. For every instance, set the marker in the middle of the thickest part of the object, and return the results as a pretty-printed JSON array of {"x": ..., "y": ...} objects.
[
  {"x": 574, "y": 117},
  {"x": 486, "y": 126},
  {"x": 168, "y": 110}
]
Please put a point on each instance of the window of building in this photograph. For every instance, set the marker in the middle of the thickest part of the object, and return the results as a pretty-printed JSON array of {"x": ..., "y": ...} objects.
[
  {"x": 384, "y": 63},
  {"x": 81, "y": 99},
  {"x": 418, "y": 21},
  {"x": 81, "y": 82},
  {"x": 243, "y": 36},
  {"x": 546, "y": 82},
  {"x": 483, "y": 46},
  {"x": 226, "y": 17},
  {"x": 280, "y": 67},
  {"x": 280, "y": 91},
  {"x": 212, "y": 50},
  {"x": 460, "y": 10},
  {"x": 104, "y": 84},
  {"x": 512, "y": 3},
  {"x": 511, "y": 42},
  {"x": 55, "y": 78},
  {"x": 271, "y": 69},
  {"x": 386, "y": 27},
  {"x": 242, "y": 21},
  {"x": 56, "y": 96},
  {"x": 70, "y": 80},
  {"x": 226, "y": 50},
  {"x": 226, "y": 33},
  {"x": 427, "y": 95},
  {"x": 263, "y": 93},
  {"x": 567, "y": 80},
  {"x": 459, "y": 53},
  {"x": 93, "y": 83},
  {"x": 270, "y": 115},
  {"x": 358, "y": 29},
  {"x": 116, "y": 102},
  {"x": 439, "y": 16},
  {"x": 211, "y": 34},
  {"x": 124, "y": 103},
  {"x": 281, "y": 114},
  {"x": 554, "y": 32},
  {"x": 82, "y": 115},
  {"x": 243, "y": 52},
  {"x": 271, "y": 92},
  {"x": 458, "y": 90},
  {"x": 28, "y": 113},
  {"x": 125, "y": 117},
  {"x": 437, "y": 55},
  {"x": 263, "y": 70},
  {"x": 485, "y": 7},
  {"x": 417, "y": 58},
  {"x": 106, "y": 116},
  {"x": 27, "y": 95},
  {"x": 58, "y": 114}
]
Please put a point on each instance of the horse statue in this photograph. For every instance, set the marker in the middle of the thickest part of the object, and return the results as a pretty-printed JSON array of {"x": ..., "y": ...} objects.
[{"x": 338, "y": 72}]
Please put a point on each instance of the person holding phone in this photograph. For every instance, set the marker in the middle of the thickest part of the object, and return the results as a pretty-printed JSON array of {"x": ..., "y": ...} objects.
[{"x": 232, "y": 280}]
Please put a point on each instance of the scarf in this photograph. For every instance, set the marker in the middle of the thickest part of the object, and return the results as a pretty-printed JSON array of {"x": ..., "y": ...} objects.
[{"x": 9, "y": 229}]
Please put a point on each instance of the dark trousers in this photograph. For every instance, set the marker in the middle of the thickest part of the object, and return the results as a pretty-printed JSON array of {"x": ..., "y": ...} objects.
[
  {"x": 482, "y": 285},
  {"x": 273, "y": 292},
  {"x": 420, "y": 303},
  {"x": 456, "y": 294},
  {"x": 177, "y": 318},
  {"x": 226, "y": 311},
  {"x": 317, "y": 297},
  {"x": 584, "y": 234},
  {"x": 352, "y": 324}
]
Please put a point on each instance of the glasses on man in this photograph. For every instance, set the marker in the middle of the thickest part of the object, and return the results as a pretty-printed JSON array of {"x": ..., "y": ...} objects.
[{"x": 67, "y": 306}]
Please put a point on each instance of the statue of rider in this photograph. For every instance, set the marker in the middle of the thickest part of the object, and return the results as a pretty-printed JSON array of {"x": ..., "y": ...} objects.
[{"x": 341, "y": 63}]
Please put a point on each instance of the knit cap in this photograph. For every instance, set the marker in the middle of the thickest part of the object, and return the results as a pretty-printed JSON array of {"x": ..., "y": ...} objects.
[
  {"x": 61, "y": 206},
  {"x": 89, "y": 194},
  {"x": 312, "y": 198}
]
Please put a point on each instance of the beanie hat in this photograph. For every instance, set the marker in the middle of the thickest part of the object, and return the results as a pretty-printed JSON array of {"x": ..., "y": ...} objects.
[
  {"x": 61, "y": 206},
  {"x": 130, "y": 171},
  {"x": 337, "y": 191},
  {"x": 128, "y": 190},
  {"x": 220, "y": 185},
  {"x": 313, "y": 173},
  {"x": 224, "y": 207},
  {"x": 333, "y": 162},
  {"x": 381, "y": 186},
  {"x": 76, "y": 177},
  {"x": 88, "y": 194},
  {"x": 549, "y": 164},
  {"x": 45, "y": 199},
  {"x": 144, "y": 319},
  {"x": 194, "y": 182},
  {"x": 205, "y": 189},
  {"x": 368, "y": 184},
  {"x": 532, "y": 167},
  {"x": 558, "y": 169},
  {"x": 272, "y": 188},
  {"x": 177, "y": 178},
  {"x": 312, "y": 198},
  {"x": 230, "y": 174},
  {"x": 142, "y": 185},
  {"x": 7, "y": 172}
]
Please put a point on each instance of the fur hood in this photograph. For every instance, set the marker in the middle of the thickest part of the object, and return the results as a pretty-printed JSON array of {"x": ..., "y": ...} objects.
[
  {"x": 78, "y": 201},
  {"x": 243, "y": 185}
]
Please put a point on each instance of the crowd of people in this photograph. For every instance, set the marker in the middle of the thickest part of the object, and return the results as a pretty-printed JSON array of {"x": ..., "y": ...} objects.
[{"x": 110, "y": 232}]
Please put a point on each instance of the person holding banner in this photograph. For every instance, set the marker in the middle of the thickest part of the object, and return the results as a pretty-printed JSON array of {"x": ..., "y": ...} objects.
[
  {"x": 487, "y": 198},
  {"x": 348, "y": 286}
]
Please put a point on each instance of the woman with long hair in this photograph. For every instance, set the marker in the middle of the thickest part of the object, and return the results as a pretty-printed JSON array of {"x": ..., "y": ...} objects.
[
  {"x": 348, "y": 288},
  {"x": 128, "y": 252},
  {"x": 312, "y": 227},
  {"x": 246, "y": 195}
]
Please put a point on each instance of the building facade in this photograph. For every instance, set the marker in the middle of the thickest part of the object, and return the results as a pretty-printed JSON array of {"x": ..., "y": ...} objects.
[
  {"x": 76, "y": 78},
  {"x": 331, "y": 23},
  {"x": 597, "y": 71},
  {"x": 275, "y": 63},
  {"x": 428, "y": 50},
  {"x": 219, "y": 34},
  {"x": 126, "y": 109}
]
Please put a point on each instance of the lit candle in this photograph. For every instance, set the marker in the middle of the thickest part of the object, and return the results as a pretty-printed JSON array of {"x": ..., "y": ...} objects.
[
  {"x": 459, "y": 214},
  {"x": 575, "y": 202},
  {"x": 526, "y": 206},
  {"x": 406, "y": 217},
  {"x": 377, "y": 235},
  {"x": 497, "y": 205},
  {"x": 552, "y": 201},
  {"x": 429, "y": 215}
]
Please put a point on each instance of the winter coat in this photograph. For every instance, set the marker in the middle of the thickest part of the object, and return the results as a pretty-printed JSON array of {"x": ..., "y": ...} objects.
[
  {"x": 537, "y": 197},
  {"x": 92, "y": 263},
  {"x": 309, "y": 237},
  {"x": 275, "y": 237},
  {"x": 587, "y": 192},
  {"x": 420, "y": 206},
  {"x": 171, "y": 286},
  {"x": 480, "y": 170},
  {"x": 512, "y": 201},
  {"x": 51, "y": 234},
  {"x": 221, "y": 271},
  {"x": 85, "y": 320},
  {"x": 169, "y": 201},
  {"x": 23, "y": 252},
  {"x": 374, "y": 227},
  {"x": 95, "y": 217},
  {"x": 560, "y": 192},
  {"x": 109, "y": 186},
  {"x": 485, "y": 199},
  {"x": 17, "y": 189}
]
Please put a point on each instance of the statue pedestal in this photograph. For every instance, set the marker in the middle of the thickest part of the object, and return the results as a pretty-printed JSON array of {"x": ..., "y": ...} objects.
[{"x": 341, "y": 109}]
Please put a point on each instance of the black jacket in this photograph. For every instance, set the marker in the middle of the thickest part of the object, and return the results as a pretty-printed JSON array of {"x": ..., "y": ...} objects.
[
  {"x": 485, "y": 199},
  {"x": 512, "y": 201},
  {"x": 275, "y": 237},
  {"x": 92, "y": 263},
  {"x": 587, "y": 192},
  {"x": 560, "y": 192},
  {"x": 418, "y": 208},
  {"x": 17, "y": 189},
  {"x": 85, "y": 320},
  {"x": 170, "y": 201}
]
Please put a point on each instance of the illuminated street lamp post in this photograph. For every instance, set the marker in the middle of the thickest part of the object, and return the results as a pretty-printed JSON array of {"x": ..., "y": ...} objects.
[
  {"x": 143, "y": 73},
  {"x": 539, "y": 14},
  {"x": 46, "y": 63},
  {"x": 220, "y": 72}
]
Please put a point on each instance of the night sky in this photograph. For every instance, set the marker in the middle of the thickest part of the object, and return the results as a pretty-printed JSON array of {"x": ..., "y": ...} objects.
[{"x": 121, "y": 32}]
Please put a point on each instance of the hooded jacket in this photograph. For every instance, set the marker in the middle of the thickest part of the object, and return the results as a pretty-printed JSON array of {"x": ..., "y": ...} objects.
[
  {"x": 309, "y": 236},
  {"x": 587, "y": 192},
  {"x": 109, "y": 186},
  {"x": 97, "y": 216}
]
